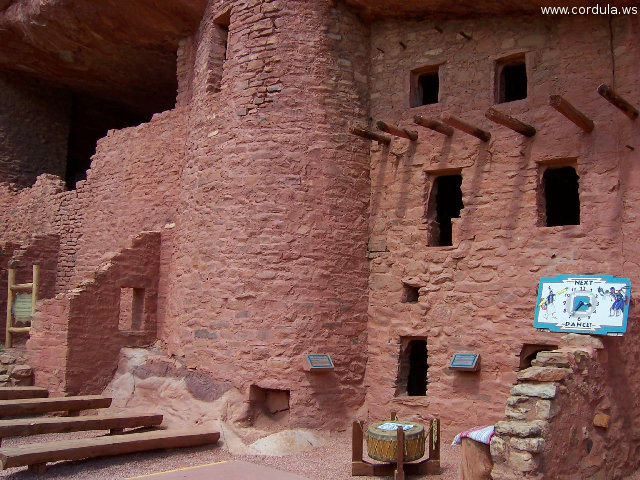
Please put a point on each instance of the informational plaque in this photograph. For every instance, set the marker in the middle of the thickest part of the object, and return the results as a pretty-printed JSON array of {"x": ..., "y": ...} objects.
[
  {"x": 592, "y": 304},
  {"x": 465, "y": 362},
  {"x": 317, "y": 362}
]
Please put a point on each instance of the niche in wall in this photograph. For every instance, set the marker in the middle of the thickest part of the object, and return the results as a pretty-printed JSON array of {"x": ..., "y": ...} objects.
[
  {"x": 131, "y": 309},
  {"x": 445, "y": 203},
  {"x": 511, "y": 79},
  {"x": 424, "y": 86}
]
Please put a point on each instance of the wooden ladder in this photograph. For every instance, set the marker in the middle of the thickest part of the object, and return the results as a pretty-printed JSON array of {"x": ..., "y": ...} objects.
[{"x": 20, "y": 287}]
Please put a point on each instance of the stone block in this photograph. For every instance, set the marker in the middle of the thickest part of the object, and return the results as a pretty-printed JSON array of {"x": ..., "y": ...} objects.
[
  {"x": 523, "y": 461},
  {"x": 601, "y": 420},
  {"x": 546, "y": 409},
  {"x": 540, "y": 390},
  {"x": 21, "y": 371},
  {"x": 533, "y": 445},
  {"x": 7, "y": 359},
  {"x": 512, "y": 401},
  {"x": 551, "y": 359},
  {"x": 580, "y": 340},
  {"x": 521, "y": 429},
  {"x": 498, "y": 449},
  {"x": 378, "y": 244},
  {"x": 276, "y": 401},
  {"x": 516, "y": 413},
  {"x": 543, "y": 374}
]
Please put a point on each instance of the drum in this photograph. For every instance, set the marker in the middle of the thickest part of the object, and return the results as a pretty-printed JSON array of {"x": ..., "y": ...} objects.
[{"x": 382, "y": 443}]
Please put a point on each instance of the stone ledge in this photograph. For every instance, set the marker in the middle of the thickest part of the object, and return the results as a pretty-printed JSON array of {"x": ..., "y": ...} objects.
[
  {"x": 543, "y": 374},
  {"x": 534, "y": 428},
  {"x": 540, "y": 390}
]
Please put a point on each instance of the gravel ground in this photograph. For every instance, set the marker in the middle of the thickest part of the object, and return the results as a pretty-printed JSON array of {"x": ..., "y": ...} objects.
[{"x": 329, "y": 462}]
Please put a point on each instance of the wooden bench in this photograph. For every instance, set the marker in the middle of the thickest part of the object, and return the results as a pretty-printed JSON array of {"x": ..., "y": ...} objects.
[
  {"x": 115, "y": 423},
  {"x": 13, "y": 393},
  {"x": 37, "y": 455},
  {"x": 32, "y": 406}
]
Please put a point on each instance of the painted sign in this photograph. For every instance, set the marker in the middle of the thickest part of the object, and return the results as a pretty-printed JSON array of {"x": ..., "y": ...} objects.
[
  {"x": 594, "y": 304},
  {"x": 469, "y": 362},
  {"x": 317, "y": 362}
]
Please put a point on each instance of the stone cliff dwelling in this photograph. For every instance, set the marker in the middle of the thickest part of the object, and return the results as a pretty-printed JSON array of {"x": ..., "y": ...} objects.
[{"x": 214, "y": 189}]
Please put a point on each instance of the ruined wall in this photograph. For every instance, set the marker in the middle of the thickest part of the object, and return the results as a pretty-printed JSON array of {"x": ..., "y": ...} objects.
[
  {"x": 77, "y": 336},
  {"x": 478, "y": 295},
  {"x": 271, "y": 235},
  {"x": 34, "y": 127}
]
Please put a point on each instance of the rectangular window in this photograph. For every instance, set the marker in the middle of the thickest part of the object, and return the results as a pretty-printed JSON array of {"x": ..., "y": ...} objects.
[
  {"x": 410, "y": 293},
  {"x": 511, "y": 79},
  {"x": 445, "y": 203},
  {"x": 412, "y": 367},
  {"x": 425, "y": 86},
  {"x": 561, "y": 196},
  {"x": 131, "y": 309}
]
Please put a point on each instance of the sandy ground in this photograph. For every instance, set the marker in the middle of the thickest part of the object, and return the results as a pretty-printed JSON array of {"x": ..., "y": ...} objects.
[{"x": 329, "y": 462}]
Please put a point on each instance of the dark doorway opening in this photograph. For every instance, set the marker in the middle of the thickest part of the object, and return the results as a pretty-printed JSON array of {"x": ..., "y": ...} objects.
[
  {"x": 425, "y": 86},
  {"x": 512, "y": 79},
  {"x": 562, "y": 198},
  {"x": 91, "y": 119},
  {"x": 446, "y": 200},
  {"x": 529, "y": 352},
  {"x": 412, "y": 367}
]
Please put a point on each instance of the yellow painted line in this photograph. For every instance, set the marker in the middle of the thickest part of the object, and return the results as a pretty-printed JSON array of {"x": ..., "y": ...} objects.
[{"x": 176, "y": 470}]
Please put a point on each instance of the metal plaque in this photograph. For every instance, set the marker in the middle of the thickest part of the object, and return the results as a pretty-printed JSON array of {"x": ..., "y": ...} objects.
[
  {"x": 317, "y": 362},
  {"x": 466, "y": 362},
  {"x": 593, "y": 304}
]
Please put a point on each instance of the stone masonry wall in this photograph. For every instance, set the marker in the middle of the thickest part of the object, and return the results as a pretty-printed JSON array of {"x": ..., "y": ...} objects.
[
  {"x": 478, "y": 295},
  {"x": 572, "y": 415},
  {"x": 270, "y": 240},
  {"x": 76, "y": 337}
]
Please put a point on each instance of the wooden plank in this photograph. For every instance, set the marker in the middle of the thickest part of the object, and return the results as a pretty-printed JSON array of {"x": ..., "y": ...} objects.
[
  {"x": 40, "y": 453},
  {"x": 433, "y": 125},
  {"x": 10, "y": 282},
  {"x": 20, "y": 329},
  {"x": 370, "y": 135},
  {"x": 571, "y": 112},
  {"x": 34, "y": 290},
  {"x": 397, "y": 131},
  {"x": 510, "y": 122},
  {"x": 39, "y": 426},
  {"x": 455, "y": 122},
  {"x": 58, "y": 404},
  {"x": 13, "y": 393},
  {"x": 617, "y": 101}
]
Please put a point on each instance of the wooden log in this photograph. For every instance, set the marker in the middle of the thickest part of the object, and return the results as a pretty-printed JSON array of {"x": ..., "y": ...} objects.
[
  {"x": 571, "y": 112},
  {"x": 434, "y": 440},
  {"x": 510, "y": 122},
  {"x": 22, "y": 287},
  {"x": 14, "y": 393},
  {"x": 399, "y": 473},
  {"x": 466, "y": 127},
  {"x": 356, "y": 440},
  {"x": 24, "y": 427},
  {"x": 20, "y": 329},
  {"x": 433, "y": 125},
  {"x": 34, "y": 284},
  {"x": 397, "y": 131},
  {"x": 41, "y": 453},
  {"x": 370, "y": 135},
  {"x": 10, "y": 282},
  {"x": 616, "y": 100},
  {"x": 57, "y": 404}
]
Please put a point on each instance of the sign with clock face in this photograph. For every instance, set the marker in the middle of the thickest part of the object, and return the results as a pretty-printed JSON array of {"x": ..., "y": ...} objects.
[{"x": 594, "y": 304}]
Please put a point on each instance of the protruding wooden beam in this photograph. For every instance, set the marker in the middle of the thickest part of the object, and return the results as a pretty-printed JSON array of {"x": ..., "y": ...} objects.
[
  {"x": 465, "y": 127},
  {"x": 397, "y": 131},
  {"x": 370, "y": 135},
  {"x": 616, "y": 100},
  {"x": 433, "y": 125},
  {"x": 510, "y": 122},
  {"x": 571, "y": 112}
]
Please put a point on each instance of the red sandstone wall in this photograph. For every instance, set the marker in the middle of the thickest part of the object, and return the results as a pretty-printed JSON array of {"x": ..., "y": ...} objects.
[
  {"x": 479, "y": 294},
  {"x": 270, "y": 240},
  {"x": 75, "y": 339},
  {"x": 33, "y": 130}
]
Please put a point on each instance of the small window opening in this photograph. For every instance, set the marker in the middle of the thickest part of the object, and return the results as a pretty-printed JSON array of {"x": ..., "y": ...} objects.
[
  {"x": 445, "y": 203},
  {"x": 512, "y": 79},
  {"x": 562, "y": 199},
  {"x": 529, "y": 352},
  {"x": 131, "y": 309},
  {"x": 223, "y": 22},
  {"x": 268, "y": 406},
  {"x": 425, "y": 86},
  {"x": 412, "y": 367},
  {"x": 410, "y": 294}
]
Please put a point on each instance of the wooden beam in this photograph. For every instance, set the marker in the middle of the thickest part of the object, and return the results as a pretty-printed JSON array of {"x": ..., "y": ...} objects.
[
  {"x": 41, "y": 453},
  {"x": 34, "y": 290},
  {"x": 370, "y": 135},
  {"x": 616, "y": 100},
  {"x": 20, "y": 329},
  {"x": 510, "y": 122},
  {"x": 466, "y": 127},
  {"x": 14, "y": 393},
  {"x": 10, "y": 282},
  {"x": 571, "y": 112},
  {"x": 433, "y": 125},
  {"x": 22, "y": 287},
  {"x": 397, "y": 131}
]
